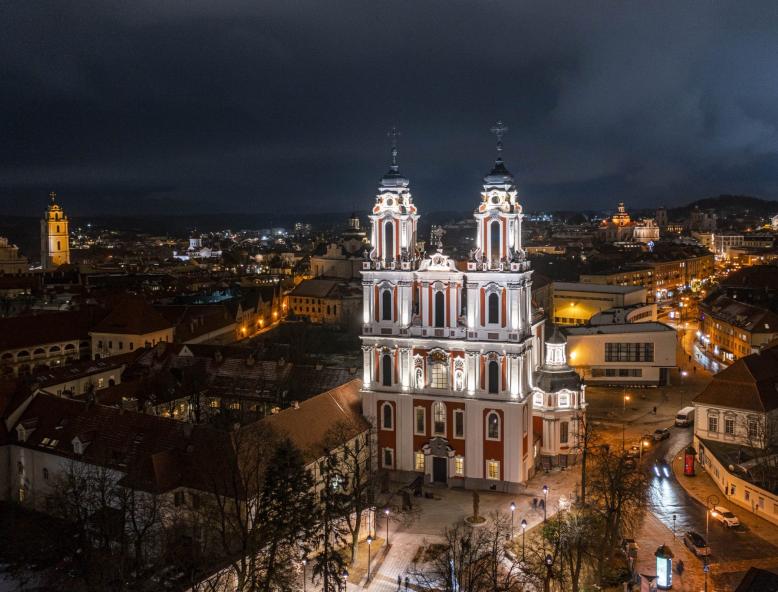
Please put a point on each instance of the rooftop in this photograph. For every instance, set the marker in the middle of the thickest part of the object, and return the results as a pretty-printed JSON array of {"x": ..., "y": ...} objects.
[
  {"x": 596, "y": 288},
  {"x": 618, "y": 329}
]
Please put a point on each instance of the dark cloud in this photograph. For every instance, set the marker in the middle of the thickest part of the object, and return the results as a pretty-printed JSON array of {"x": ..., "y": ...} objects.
[{"x": 265, "y": 106}]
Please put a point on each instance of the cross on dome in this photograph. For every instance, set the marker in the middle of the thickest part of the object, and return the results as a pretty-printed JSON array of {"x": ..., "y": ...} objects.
[{"x": 499, "y": 130}]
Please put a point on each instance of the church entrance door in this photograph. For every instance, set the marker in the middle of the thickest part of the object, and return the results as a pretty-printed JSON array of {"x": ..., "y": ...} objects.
[{"x": 439, "y": 469}]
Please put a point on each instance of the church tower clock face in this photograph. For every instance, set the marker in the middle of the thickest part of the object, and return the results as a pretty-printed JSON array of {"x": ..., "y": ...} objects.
[{"x": 450, "y": 348}]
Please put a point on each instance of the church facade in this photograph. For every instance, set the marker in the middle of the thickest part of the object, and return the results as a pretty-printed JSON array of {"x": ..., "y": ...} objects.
[{"x": 450, "y": 352}]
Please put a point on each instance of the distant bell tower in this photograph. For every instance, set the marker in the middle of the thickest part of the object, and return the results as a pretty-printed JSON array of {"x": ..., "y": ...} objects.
[{"x": 55, "y": 244}]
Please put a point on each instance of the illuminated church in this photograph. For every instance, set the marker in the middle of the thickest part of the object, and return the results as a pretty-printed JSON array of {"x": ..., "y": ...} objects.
[
  {"x": 55, "y": 239},
  {"x": 450, "y": 355}
]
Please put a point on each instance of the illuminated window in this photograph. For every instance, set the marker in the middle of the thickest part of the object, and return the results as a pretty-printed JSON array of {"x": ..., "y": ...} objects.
[
  {"x": 419, "y": 461},
  {"x": 493, "y": 426},
  {"x": 420, "y": 423},
  {"x": 438, "y": 419},
  {"x": 439, "y": 375},
  {"x": 564, "y": 400},
  {"x": 564, "y": 428},
  {"x": 729, "y": 426},
  {"x": 459, "y": 465},
  {"x": 493, "y": 469}
]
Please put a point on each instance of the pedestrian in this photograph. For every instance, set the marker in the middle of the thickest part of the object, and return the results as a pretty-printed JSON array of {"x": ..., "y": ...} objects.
[
  {"x": 534, "y": 503},
  {"x": 399, "y": 582},
  {"x": 407, "y": 583},
  {"x": 680, "y": 567},
  {"x": 542, "y": 504}
]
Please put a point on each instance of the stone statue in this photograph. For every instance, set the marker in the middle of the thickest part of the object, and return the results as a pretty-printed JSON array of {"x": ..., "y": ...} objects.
[{"x": 476, "y": 504}]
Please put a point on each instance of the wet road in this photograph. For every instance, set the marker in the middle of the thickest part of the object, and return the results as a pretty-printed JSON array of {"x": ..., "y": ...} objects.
[{"x": 669, "y": 499}]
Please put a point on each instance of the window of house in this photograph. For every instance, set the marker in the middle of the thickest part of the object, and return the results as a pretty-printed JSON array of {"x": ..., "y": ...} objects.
[
  {"x": 420, "y": 421},
  {"x": 493, "y": 469},
  {"x": 438, "y": 419},
  {"x": 439, "y": 375},
  {"x": 419, "y": 461},
  {"x": 493, "y": 426},
  {"x": 132, "y": 346},
  {"x": 19, "y": 467},
  {"x": 45, "y": 474},
  {"x": 729, "y": 426},
  {"x": 459, "y": 465},
  {"x": 388, "y": 458},
  {"x": 178, "y": 498},
  {"x": 387, "y": 416},
  {"x": 564, "y": 428},
  {"x": 713, "y": 423},
  {"x": 459, "y": 423},
  {"x": 753, "y": 428}
]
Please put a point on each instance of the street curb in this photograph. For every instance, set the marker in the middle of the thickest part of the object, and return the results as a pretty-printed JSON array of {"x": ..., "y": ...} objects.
[{"x": 678, "y": 476}]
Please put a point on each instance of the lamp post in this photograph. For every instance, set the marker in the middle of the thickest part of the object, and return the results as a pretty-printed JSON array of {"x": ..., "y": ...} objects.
[
  {"x": 523, "y": 536},
  {"x": 547, "y": 582},
  {"x": 545, "y": 501},
  {"x": 386, "y": 512},
  {"x": 344, "y": 575},
  {"x": 513, "y": 511},
  {"x": 705, "y": 569},
  {"x": 674, "y": 525},
  {"x": 624, "y": 418},
  {"x": 642, "y": 444},
  {"x": 710, "y": 503},
  {"x": 305, "y": 562},
  {"x": 369, "y": 545}
]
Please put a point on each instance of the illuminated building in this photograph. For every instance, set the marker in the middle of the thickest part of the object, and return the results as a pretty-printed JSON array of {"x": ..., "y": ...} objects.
[
  {"x": 55, "y": 246},
  {"x": 449, "y": 355}
]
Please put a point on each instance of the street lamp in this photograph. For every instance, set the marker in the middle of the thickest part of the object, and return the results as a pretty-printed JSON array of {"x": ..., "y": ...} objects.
[
  {"x": 369, "y": 545},
  {"x": 545, "y": 501},
  {"x": 386, "y": 511},
  {"x": 710, "y": 504},
  {"x": 547, "y": 583},
  {"x": 305, "y": 562},
  {"x": 513, "y": 510},
  {"x": 624, "y": 419},
  {"x": 643, "y": 443},
  {"x": 674, "y": 517},
  {"x": 523, "y": 535},
  {"x": 344, "y": 575}
]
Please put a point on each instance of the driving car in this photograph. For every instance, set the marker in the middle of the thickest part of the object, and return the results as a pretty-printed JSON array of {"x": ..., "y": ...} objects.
[
  {"x": 661, "y": 434},
  {"x": 662, "y": 469},
  {"x": 696, "y": 544},
  {"x": 724, "y": 516}
]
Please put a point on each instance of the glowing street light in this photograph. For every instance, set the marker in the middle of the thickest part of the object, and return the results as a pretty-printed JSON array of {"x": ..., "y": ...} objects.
[
  {"x": 523, "y": 534},
  {"x": 545, "y": 502},
  {"x": 513, "y": 511}
]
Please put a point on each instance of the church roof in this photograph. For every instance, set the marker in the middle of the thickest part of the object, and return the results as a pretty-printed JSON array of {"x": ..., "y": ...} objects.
[
  {"x": 499, "y": 175},
  {"x": 554, "y": 379}
]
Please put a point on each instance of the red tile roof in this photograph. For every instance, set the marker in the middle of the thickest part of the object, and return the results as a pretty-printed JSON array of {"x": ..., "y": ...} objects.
[
  {"x": 751, "y": 383},
  {"x": 132, "y": 315},
  {"x": 54, "y": 327}
]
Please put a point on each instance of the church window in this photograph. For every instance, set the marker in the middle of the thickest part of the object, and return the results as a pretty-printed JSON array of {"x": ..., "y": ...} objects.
[
  {"x": 564, "y": 400},
  {"x": 419, "y": 461},
  {"x": 459, "y": 423},
  {"x": 419, "y": 378},
  {"x": 386, "y": 370},
  {"x": 492, "y": 426},
  {"x": 59, "y": 245},
  {"x": 57, "y": 227},
  {"x": 564, "y": 429},
  {"x": 493, "y": 470},
  {"x": 387, "y": 416},
  {"x": 494, "y": 231},
  {"x": 388, "y": 458},
  {"x": 439, "y": 375},
  {"x": 494, "y": 309},
  {"x": 459, "y": 465},
  {"x": 494, "y": 377},
  {"x": 438, "y": 419},
  {"x": 420, "y": 423},
  {"x": 389, "y": 241},
  {"x": 440, "y": 309},
  {"x": 386, "y": 305}
]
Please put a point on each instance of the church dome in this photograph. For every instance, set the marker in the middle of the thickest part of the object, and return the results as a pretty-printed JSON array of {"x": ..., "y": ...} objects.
[
  {"x": 499, "y": 175},
  {"x": 393, "y": 178}
]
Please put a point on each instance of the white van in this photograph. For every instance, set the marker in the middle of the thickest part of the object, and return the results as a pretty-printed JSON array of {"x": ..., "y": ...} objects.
[{"x": 685, "y": 417}]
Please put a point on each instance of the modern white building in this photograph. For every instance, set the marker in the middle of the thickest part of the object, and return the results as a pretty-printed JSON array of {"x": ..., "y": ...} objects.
[
  {"x": 449, "y": 355},
  {"x": 629, "y": 353}
]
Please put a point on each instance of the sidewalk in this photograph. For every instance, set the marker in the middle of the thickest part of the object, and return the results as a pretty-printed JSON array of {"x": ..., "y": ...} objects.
[
  {"x": 701, "y": 486},
  {"x": 453, "y": 505}
]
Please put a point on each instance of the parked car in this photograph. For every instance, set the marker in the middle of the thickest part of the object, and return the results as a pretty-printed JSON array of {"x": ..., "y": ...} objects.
[
  {"x": 696, "y": 544},
  {"x": 724, "y": 516},
  {"x": 685, "y": 417},
  {"x": 661, "y": 434}
]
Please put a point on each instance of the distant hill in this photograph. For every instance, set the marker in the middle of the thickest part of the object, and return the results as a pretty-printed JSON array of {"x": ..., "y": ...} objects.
[{"x": 726, "y": 205}]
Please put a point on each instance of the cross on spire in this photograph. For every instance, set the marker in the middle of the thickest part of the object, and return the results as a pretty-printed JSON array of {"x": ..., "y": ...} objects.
[
  {"x": 394, "y": 133},
  {"x": 53, "y": 197},
  {"x": 499, "y": 130}
]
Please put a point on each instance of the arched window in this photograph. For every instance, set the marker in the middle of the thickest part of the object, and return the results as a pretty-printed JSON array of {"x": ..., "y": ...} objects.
[
  {"x": 57, "y": 227},
  {"x": 59, "y": 246},
  {"x": 386, "y": 305},
  {"x": 493, "y": 426},
  {"x": 494, "y": 377},
  {"x": 494, "y": 309},
  {"x": 438, "y": 419},
  {"x": 387, "y": 416},
  {"x": 388, "y": 241},
  {"x": 494, "y": 232},
  {"x": 439, "y": 375},
  {"x": 440, "y": 309},
  {"x": 386, "y": 370}
]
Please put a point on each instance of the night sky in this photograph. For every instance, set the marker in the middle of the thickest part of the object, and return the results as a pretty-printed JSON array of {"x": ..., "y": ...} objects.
[{"x": 263, "y": 105}]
